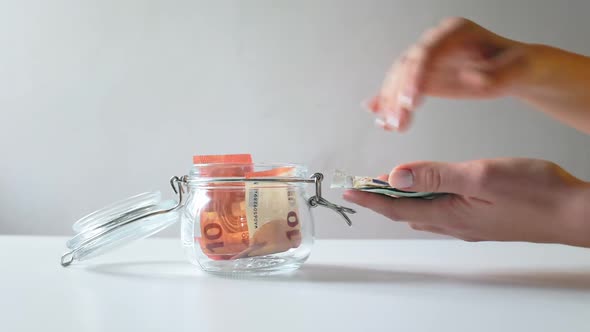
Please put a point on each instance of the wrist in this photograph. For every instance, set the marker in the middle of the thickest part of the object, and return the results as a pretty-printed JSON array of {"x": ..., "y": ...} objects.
[
  {"x": 536, "y": 71},
  {"x": 549, "y": 72}
]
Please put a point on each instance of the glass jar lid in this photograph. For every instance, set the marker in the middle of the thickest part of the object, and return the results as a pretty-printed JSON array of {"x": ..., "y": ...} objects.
[{"x": 120, "y": 223}]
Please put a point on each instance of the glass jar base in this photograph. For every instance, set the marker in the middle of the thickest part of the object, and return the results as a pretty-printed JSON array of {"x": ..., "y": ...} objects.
[{"x": 255, "y": 266}]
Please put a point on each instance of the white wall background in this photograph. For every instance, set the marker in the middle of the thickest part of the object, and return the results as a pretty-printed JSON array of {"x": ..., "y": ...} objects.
[{"x": 100, "y": 100}]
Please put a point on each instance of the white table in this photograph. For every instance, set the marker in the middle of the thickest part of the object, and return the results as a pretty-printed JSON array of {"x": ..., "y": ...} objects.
[{"x": 410, "y": 285}]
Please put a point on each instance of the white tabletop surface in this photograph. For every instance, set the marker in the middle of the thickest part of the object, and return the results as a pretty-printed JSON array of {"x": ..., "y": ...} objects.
[{"x": 346, "y": 285}]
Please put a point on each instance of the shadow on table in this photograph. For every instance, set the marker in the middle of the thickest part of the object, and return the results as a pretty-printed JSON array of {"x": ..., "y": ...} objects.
[
  {"x": 317, "y": 273},
  {"x": 526, "y": 278}
]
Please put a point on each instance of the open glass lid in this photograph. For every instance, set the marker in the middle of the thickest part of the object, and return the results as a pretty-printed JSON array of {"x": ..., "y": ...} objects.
[{"x": 121, "y": 223}]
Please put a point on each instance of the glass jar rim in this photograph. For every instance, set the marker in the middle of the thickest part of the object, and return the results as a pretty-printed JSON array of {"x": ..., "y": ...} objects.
[{"x": 196, "y": 179}]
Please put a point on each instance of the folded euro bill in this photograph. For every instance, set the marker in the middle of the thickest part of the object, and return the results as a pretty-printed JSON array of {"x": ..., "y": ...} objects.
[{"x": 368, "y": 184}]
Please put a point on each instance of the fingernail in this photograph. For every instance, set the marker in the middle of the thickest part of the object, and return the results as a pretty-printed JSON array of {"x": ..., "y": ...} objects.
[
  {"x": 401, "y": 178},
  {"x": 380, "y": 123},
  {"x": 406, "y": 100},
  {"x": 392, "y": 121}
]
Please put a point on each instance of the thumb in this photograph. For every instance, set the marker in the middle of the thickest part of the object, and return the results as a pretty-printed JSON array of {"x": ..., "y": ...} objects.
[{"x": 426, "y": 176}]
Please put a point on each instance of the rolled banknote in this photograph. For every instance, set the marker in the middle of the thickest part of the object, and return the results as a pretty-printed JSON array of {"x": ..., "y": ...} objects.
[
  {"x": 364, "y": 183},
  {"x": 224, "y": 230},
  {"x": 272, "y": 214}
]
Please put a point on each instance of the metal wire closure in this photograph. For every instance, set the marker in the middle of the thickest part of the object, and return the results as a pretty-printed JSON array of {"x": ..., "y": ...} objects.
[
  {"x": 313, "y": 201},
  {"x": 120, "y": 221},
  {"x": 319, "y": 200}
]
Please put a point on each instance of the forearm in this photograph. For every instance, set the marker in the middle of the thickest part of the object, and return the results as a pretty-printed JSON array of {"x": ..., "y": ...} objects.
[{"x": 557, "y": 82}]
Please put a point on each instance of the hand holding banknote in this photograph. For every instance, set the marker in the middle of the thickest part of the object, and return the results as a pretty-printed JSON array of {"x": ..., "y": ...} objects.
[{"x": 501, "y": 200}]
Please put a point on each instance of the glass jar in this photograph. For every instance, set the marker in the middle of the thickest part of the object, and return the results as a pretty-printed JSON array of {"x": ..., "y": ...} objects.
[{"x": 235, "y": 218}]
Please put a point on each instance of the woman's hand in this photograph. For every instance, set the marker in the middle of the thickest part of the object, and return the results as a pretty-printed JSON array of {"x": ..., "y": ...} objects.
[
  {"x": 498, "y": 200},
  {"x": 459, "y": 59},
  {"x": 456, "y": 59}
]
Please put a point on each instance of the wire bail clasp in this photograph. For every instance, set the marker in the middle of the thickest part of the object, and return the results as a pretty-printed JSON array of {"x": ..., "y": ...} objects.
[
  {"x": 177, "y": 185},
  {"x": 319, "y": 200}
]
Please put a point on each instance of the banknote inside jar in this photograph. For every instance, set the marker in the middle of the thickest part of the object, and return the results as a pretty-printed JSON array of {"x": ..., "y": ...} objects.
[{"x": 248, "y": 219}]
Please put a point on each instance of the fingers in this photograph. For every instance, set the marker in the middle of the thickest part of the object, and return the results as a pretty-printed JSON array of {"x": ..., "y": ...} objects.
[
  {"x": 387, "y": 120},
  {"x": 429, "y": 228},
  {"x": 414, "y": 210},
  {"x": 420, "y": 57},
  {"x": 383, "y": 177},
  {"x": 411, "y": 88},
  {"x": 403, "y": 88},
  {"x": 429, "y": 216},
  {"x": 372, "y": 105},
  {"x": 391, "y": 114},
  {"x": 426, "y": 176}
]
